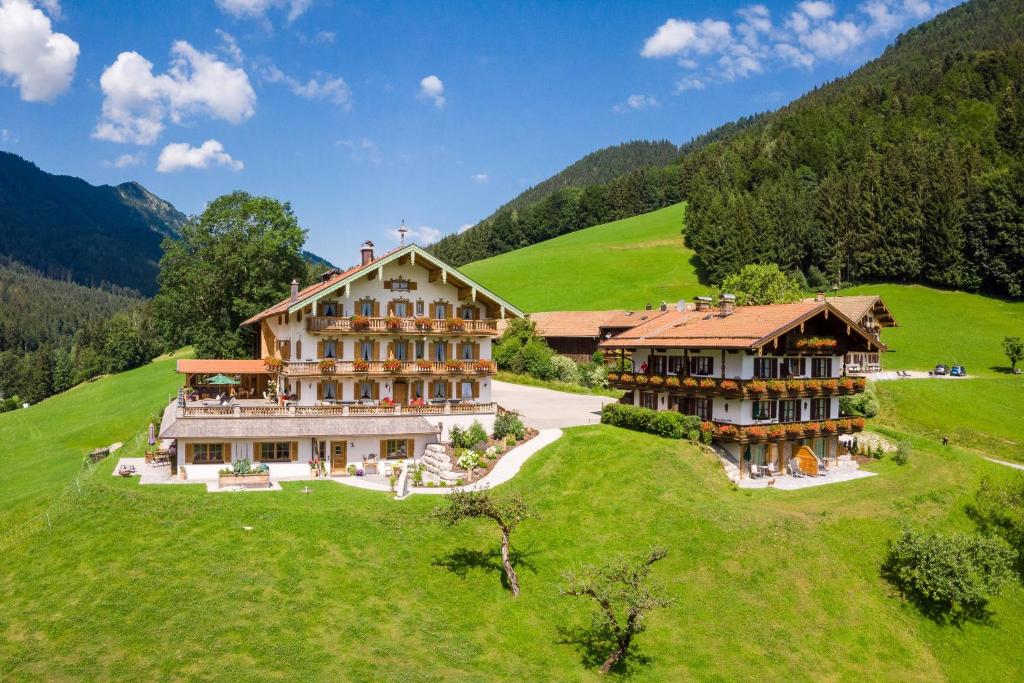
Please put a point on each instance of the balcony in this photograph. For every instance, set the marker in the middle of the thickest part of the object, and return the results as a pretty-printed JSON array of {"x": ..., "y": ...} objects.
[
  {"x": 395, "y": 325},
  {"x": 723, "y": 431},
  {"x": 739, "y": 388},
  {"x": 388, "y": 367},
  {"x": 254, "y": 409}
]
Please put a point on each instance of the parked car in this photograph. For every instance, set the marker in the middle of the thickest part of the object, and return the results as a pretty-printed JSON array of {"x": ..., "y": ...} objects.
[
  {"x": 958, "y": 371},
  {"x": 941, "y": 369}
]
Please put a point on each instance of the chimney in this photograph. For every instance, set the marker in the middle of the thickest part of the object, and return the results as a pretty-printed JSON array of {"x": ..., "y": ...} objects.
[
  {"x": 648, "y": 307},
  {"x": 295, "y": 291},
  {"x": 727, "y": 302},
  {"x": 366, "y": 251},
  {"x": 703, "y": 302},
  {"x": 819, "y": 297},
  {"x": 664, "y": 306}
]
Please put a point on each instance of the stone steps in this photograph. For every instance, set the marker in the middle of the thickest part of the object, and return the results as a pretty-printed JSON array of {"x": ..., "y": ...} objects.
[{"x": 437, "y": 465}]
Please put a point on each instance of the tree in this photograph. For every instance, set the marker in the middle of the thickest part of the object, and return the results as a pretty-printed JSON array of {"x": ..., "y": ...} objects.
[
  {"x": 1013, "y": 347},
  {"x": 999, "y": 511},
  {"x": 508, "y": 513},
  {"x": 623, "y": 596},
  {"x": 761, "y": 283},
  {"x": 235, "y": 259}
]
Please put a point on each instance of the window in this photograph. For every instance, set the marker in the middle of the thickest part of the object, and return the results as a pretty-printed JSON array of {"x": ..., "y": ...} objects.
[
  {"x": 675, "y": 365},
  {"x": 466, "y": 389},
  {"x": 400, "y": 308},
  {"x": 765, "y": 368},
  {"x": 419, "y": 307},
  {"x": 764, "y": 410},
  {"x": 440, "y": 311},
  {"x": 401, "y": 350},
  {"x": 330, "y": 390},
  {"x": 399, "y": 285},
  {"x": 702, "y": 365},
  {"x": 330, "y": 349},
  {"x": 441, "y": 351},
  {"x": 330, "y": 309},
  {"x": 794, "y": 367},
  {"x": 275, "y": 452},
  {"x": 207, "y": 453},
  {"x": 701, "y": 407},
  {"x": 365, "y": 390},
  {"x": 440, "y": 390},
  {"x": 467, "y": 351},
  {"x": 659, "y": 364},
  {"x": 789, "y": 411},
  {"x": 648, "y": 399},
  {"x": 417, "y": 389},
  {"x": 366, "y": 307},
  {"x": 366, "y": 349},
  {"x": 420, "y": 349},
  {"x": 821, "y": 367},
  {"x": 394, "y": 449},
  {"x": 467, "y": 312},
  {"x": 819, "y": 408},
  {"x": 757, "y": 451}
]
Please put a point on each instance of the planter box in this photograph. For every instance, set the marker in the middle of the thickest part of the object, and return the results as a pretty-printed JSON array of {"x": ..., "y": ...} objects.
[{"x": 249, "y": 481}]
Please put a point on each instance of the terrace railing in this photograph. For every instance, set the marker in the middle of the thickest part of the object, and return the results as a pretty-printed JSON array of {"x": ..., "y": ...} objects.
[
  {"x": 724, "y": 431},
  {"x": 328, "y": 410},
  {"x": 401, "y": 325},
  {"x": 390, "y": 367},
  {"x": 739, "y": 388}
]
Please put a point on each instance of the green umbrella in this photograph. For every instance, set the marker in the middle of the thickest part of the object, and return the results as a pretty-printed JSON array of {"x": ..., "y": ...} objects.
[{"x": 222, "y": 379}]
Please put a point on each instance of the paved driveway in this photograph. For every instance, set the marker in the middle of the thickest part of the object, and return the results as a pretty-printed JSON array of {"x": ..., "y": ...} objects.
[{"x": 546, "y": 409}]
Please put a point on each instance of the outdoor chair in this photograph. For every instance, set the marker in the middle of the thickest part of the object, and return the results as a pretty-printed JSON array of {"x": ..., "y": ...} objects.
[
  {"x": 755, "y": 471},
  {"x": 794, "y": 468},
  {"x": 126, "y": 470},
  {"x": 773, "y": 471}
]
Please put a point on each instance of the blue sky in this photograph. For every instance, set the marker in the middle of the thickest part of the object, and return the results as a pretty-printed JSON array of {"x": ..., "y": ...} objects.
[{"x": 362, "y": 114}]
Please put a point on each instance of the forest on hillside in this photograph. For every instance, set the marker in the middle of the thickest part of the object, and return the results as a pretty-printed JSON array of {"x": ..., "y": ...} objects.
[{"x": 910, "y": 169}]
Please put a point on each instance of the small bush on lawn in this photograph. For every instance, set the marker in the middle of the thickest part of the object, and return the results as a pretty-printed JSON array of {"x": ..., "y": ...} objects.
[
  {"x": 666, "y": 423},
  {"x": 564, "y": 369},
  {"x": 903, "y": 450},
  {"x": 948, "y": 577},
  {"x": 509, "y": 424}
]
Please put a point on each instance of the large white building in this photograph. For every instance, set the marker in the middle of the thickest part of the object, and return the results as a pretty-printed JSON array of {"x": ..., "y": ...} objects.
[{"x": 370, "y": 364}]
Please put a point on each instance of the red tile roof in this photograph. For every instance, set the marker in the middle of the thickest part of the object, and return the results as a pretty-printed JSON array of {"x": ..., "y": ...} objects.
[
  {"x": 202, "y": 366},
  {"x": 856, "y": 307}
]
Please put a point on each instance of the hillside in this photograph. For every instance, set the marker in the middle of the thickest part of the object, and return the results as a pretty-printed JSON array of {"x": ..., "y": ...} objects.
[
  {"x": 742, "y": 568},
  {"x": 92, "y": 235},
  {"x": 625, "y": 264}
]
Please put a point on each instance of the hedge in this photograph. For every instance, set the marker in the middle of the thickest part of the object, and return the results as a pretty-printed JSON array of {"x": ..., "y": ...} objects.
[{"x": 669, "y": 424}]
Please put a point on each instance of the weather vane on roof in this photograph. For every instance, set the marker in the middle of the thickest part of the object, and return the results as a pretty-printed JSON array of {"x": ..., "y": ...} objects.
[{"x": 402, "y": 230}]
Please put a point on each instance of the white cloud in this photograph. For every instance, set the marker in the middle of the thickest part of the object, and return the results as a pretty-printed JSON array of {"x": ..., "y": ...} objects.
[
  {"x": 422, "y": 235},
  {"x": 324, "y": 37},
  {"x": 258, "y": 9},
  {"x": 7, "y": 136},
  {"x": 180, "y": 155},
  {"x": 321, "y": 87},
  {"x": 717, "y": 50},
  {"x": 128, "y": 160},
  {"x": 464, "y": 227},
  {"x": 432, "y": 88},
  {"x": 362, "y": 150},
  {"x": 136, "y": 101},
  {"x": 230, "y": 47},
  {"x": 481, "y": 178},
  {"x": 636, "y": 103},
  {"x": 33, "y": 58}
]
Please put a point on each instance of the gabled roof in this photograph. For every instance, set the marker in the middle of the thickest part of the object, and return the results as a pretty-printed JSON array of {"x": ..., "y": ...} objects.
[
  {"x": 748, "y": 327},
  {"x": 202, "y": 366},
  {"x": 856, "y": 307},
  {"x": 584, "y": 324},
  {"x": 315, "y": 292}
]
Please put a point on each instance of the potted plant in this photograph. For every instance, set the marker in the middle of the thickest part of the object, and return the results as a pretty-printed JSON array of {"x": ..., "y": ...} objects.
[
  {"x": 776, "y": 432},
  {"x": 328, "y": 365},
  {"x": 776, "y": 386},
  {"x": 453, "y": 365},
  {"x": 242, "y": 473},
  {"x": 757, "y": 386},
  {"x": 626, "y": 378},
  {"x": 361, "y": 365},
  {"x": 423, "y": 364},
  {"x": 483, "y": 366},
  {"x": 613, "y": 377},
  {"x": 670, "y": 382},
  {"x": 640, "y": 379},
  {"x": 656, "y": 380},
  {"x": 690, "y": 383},
  {"x": 351, "y": 469},
  {"x": 795, "y": 385},
  {"x": 794, "y": 429},
  {"x": 393, "y": 322},
  {"x": 829, "y": 426},
  {"x": 728, "y": 385},
  {"x": 847, "y": 384},
  {"x": 455, "y": 323},
  {"x": 423, "y": 323},
  {"x": 816, "y": 343},
  {"x": 707, "y": 384},
  {"x": 273, "y": 364},
  {"x": 392, "y": 365},
  {"x": 360, "y": 322},
  {"x": 813, "y": 385},
  {"x": 830, "y": 385},
  {"x": 757, "y": 432},
  {"x": 387, "y": 402}
]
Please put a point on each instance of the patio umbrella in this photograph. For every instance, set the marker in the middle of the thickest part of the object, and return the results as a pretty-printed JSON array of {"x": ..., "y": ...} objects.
[
  {"x": 152, "y": 434},
  {"x": 222, "y": 379}
]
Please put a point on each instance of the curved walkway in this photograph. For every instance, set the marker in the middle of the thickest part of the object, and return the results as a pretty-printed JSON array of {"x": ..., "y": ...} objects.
[
  {"x": 508, "y": 466},
  {"x": 547, "y": 409}
]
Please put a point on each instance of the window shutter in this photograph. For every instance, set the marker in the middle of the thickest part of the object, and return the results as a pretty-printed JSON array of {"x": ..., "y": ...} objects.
[
  {"x": 319, "y": 349},
  {"x": 451, "y": 389},
  {"x": 189, "y": 453},
  {"x": 226, "y": 452},
  {"x": 711, "y": 365},
  {"x": 383, "y": 449},
  {"x": 433, "y": 310},
  {"x": 298, "y": 350},
  {"x": 431, "y": 350},
  {"x": 828, "y": 367},
  {"x": 293, "y": 450},
  {"x": 476, "y": 351},
  {"x": 774, "y": 409},
  {"x": 319, "y": 390},
  {"x": 410, "y": 448},
  {"x": 376, "y": 350},
  {"x": 391, "y": 304},
  {"x": 803, "y": 366},
  {"x": 476, "y": 389},
  {"x": 298, "y": 390},
  {"x": 375, "y": 389},
  {"x": 257, "y": 451},
  {"x": 376, "y": 309}
]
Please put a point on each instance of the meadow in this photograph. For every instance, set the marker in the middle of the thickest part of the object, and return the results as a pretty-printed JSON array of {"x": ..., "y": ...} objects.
[{"x": 165, "y": 582}]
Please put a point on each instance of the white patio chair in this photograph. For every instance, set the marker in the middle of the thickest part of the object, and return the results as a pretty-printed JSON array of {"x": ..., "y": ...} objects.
[
  {"x": 755, "y": 471},
  {"x": 773, "y": 471},
  {"x": 794, "y": 468}
]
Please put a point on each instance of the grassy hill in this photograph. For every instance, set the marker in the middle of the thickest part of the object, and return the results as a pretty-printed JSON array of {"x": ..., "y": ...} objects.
[
  {"x": 625, "y": 264},
  {"x": 163, "y": 582}
]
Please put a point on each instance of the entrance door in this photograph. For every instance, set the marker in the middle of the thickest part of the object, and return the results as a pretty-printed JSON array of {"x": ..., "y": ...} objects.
[
  {"x": 401, "y": 393},
  {"x": 339, "y": 457}
]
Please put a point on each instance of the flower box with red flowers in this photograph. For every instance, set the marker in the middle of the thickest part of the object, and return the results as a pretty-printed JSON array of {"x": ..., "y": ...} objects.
[
  {"x": 690, "y": 383},
  {"x": 273, "y": 364},
  {"x": 757, "y": 432},
  {"x": 727, "y": 430},
  {"x": 328, "y": 365},
  {"x": 626, "y": 378},
  {"x": 813, "y": 427},
  {"x": 776, "y": 432},
  {"x": 729, "y": 385},
  {"x": 757, "y": 386},
  {"x": 776, "y": 385},
  {"x": 672, "y": 382},
  {"x": 829, "y": 427},
  {"x": 423, "y": 364},
  {"x": 387, "y": 402},
  {"x": 613, "y": 377},
  {"x": 707, "y": 384},
  {"x": 453, "y": 365},
  {"x": 483, "y": 366},
  {"x": 813, "y": 385},
  {"x": 857, "y": 423},
  {"x": 846, "y": 384},
  {"x": 361, "y": 365},
  {"x": 360, "y": 322},
  {"x": 455, "y": 323},
  {"x": 795, "y": 385},
  {"x": 423, "y": 323},
  {"x": 707, "y": 426},
  {"x": 816, "y": 343},
  {"x": 830, "y": 385},
  {"x": 393, "y": 322},
  {"x": 794, "y": 429},
  {"x": 392, "y": 365},
  {"x": 859, "y": 383}
]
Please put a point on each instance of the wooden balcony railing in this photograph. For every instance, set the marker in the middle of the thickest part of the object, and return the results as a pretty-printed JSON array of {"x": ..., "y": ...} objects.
[
  {"x": 338, "y": 410},
  {"x": 739, "y": 388},
  {"x": 389, "y": 367},
  {"x": 401, "y": 325},
  {"x": 775, "y": 431}
]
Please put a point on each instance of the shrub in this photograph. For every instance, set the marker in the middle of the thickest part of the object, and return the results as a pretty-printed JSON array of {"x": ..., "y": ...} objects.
[
  {"x": 457, "y": 437},
  {"x": 948, "y": 576},
  {"x": 476, "y": 434},
  {"x": 668, "y": 424},
  {"x": 564, "y": 369},
  {"x": 864, "y": 405},
  {"x": 902, "y": 456},
  {"x": 1000, "y": 510},
  {"x": 878, "y": 453},
  {"x": 509, "y": 424}
]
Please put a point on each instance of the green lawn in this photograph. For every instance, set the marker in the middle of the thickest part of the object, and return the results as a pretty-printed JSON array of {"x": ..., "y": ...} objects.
[
  {"x": 625, "y": 264},
  {"x": 554, "y": 385},
  {"x": 161, "y": 582}
]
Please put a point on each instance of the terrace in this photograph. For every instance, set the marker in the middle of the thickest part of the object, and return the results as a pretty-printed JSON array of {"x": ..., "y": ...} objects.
[
  {"x": 739, "y": 388},
  {"x": 255, "y": 408},
  {"x": 387, "y": 367},
  {"x": 776, "y": 431},
  {"x": 394, "y": 324}
]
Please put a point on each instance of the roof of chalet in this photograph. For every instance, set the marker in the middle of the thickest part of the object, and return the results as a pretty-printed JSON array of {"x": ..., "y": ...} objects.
[
  {"x": 290, "y": 427},
  {"x": 584, "y": 324},
  {"x": 202, "y": 366},
  {"x": 748, "y": 327},
  {"x": 856, "y": 307},
  {"x": 315, "y": 291}
]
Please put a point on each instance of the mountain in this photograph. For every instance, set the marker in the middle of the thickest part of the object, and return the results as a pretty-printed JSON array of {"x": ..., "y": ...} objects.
[
  {"x": 92, "y": 235},
  {"x": 909, "y": 169}
]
